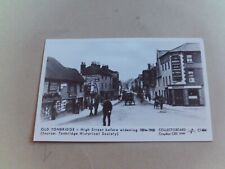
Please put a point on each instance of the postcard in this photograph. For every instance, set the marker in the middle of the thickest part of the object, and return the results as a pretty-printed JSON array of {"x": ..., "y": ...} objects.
[{"x": 123, "y": 90}]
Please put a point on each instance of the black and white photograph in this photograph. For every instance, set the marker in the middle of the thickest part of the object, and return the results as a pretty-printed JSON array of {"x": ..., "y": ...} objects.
[{"x": 123, "y": 89}]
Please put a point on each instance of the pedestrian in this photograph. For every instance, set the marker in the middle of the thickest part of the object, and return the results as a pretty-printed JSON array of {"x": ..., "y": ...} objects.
[
  {"x": 161, "y": 102},
  {"x": 53, "y": 110},
  {"x": 146, "y": 95},
  {"x": 142, "y": 97},
  {"x": 85, "y": 103},
  {"x": 96, "y": 103},
  {"x": 91, "y": 108},
  {"x": 156, "y": 103},
  {"x": 77, "y": 107},
  {"x": 149, "y": 97},
  {"x": 107, "y": 110}
]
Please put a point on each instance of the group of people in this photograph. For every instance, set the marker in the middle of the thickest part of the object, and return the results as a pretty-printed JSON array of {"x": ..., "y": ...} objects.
[
  {"x": 93, "y": 107},
  {"x": 158, "y": 102},
  {"x": 107, "y": 109},
  {"x": 94, "y": 103}
]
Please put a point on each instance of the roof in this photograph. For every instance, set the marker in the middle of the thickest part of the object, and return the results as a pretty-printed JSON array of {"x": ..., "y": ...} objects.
[
  {"x": 56, "y": 71},
  {"x": 186, "y": 47},
  {"x": 94, "y": 69},
  {"x": 161, "y": 52}
]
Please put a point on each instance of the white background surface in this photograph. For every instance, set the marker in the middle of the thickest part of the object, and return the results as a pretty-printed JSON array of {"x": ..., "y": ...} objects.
[{"x": 24, "y": 25}]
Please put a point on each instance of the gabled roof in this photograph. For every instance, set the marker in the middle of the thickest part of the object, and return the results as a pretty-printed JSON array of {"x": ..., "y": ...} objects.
[
  {"x": 56, "y": 71},
  {"x": 161, "y": 52},
  {"x": 186, "y": 47}
]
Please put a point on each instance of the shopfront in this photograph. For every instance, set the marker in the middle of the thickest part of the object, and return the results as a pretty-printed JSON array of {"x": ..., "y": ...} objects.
[{"x": 185, "y": 95}]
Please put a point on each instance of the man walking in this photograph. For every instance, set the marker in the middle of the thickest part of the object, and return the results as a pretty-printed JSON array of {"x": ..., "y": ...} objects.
[
  {"x": 91, "y": 107},
  {"x": 96, "y": 103},
  {"x": 107, "y": 109},
  {"x": 161, "y": 100},
  {"x": 53, "y": 110}
]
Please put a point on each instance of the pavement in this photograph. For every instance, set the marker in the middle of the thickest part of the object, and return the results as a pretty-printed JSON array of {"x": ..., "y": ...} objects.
[{"x": 70, "y": 117}]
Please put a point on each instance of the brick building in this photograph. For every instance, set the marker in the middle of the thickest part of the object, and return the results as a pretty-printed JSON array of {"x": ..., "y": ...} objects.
[
  {"x": 179, "y": 76},
  {"x": 100, "y": 80}
]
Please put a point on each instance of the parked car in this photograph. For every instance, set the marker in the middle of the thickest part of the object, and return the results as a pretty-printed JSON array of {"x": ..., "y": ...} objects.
[{"x": 129, "y": 98}]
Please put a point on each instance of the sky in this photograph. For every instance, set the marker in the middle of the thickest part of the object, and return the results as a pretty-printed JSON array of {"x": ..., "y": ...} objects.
[{"x": 128, "y": 56}]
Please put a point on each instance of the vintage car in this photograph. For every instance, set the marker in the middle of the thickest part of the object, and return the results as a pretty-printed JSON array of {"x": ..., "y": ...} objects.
[{"x": 129, "y": 98}]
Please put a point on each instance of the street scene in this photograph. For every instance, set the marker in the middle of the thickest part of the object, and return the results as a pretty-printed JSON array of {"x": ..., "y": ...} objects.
[
  {"x": 141, "y": 114},
  {"x": 120, "y": 84}
]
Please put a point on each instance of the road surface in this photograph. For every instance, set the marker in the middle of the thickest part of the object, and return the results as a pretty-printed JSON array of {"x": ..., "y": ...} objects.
[{"x": 144, "y": 114}]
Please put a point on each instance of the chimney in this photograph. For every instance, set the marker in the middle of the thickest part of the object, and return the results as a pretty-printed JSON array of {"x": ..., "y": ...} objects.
[
  {"x": 149, "y": 66},
  {"x": 95, "y": 65},
  {"x": 105, "y": 67},
  {"x": 82, "y": 67}
]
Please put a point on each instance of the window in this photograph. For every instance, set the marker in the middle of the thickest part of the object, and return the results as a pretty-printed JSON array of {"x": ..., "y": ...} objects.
[
  {"x": 189, "y": 59},
  {"x": 169, "y": 80},
  {"x": 46, "y": 87},
  {"x": 191, "y": 78},
  {"x": 165, "y": 66},
  {"x": 75, "y": 89},
  {"x": 81, "y": 88},
  {"x": 168, "y": 65},
  {"x": 163, "y": 81},
  {"x": 53, "y": 87},
  {"x": 162, "y": 67},
  {"x": 166, "y": 81}
]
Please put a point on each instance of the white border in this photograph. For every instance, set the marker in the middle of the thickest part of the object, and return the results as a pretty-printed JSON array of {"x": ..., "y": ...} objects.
[{"x": 137, "y": 138}]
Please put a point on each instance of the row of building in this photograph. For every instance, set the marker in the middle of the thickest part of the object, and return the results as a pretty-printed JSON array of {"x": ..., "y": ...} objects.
[
  {"x": 70, "y": 84},
  {"x": 177, "y": 76}
]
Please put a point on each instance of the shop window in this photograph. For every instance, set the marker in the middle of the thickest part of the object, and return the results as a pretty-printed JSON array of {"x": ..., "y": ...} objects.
[{"x": 193, "y": 92}]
